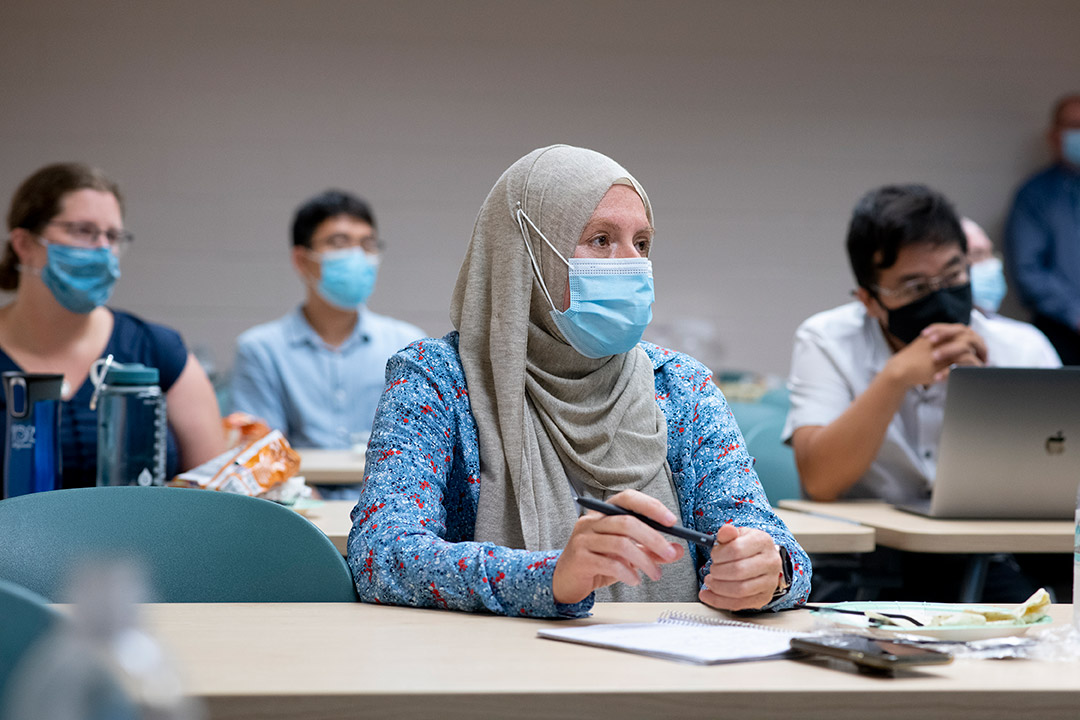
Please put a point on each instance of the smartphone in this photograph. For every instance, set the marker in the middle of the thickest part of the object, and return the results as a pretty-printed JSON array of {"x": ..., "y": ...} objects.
[{"x": 871, "y": 652}]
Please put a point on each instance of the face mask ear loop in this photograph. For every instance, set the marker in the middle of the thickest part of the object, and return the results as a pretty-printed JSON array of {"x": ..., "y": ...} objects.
[
  {"x": 522, "y": 218},
  {"x": 30, "y": 268},
  {"x": 541, "y": 234},
  {"x": 316, "y": 257}
]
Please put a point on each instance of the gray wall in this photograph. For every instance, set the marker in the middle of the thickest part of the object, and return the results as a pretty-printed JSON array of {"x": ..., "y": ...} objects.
[{"x": 753, "y": 125}]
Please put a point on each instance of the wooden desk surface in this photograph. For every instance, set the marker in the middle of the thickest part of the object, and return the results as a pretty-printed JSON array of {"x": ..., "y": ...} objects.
[
  {"x": 331, "y": 467},
  {"x": 825, "y": 535},
  {"x": 906, "y": 531},
  {"x": 323, "y": 660},
  {"x": 816, "y": 534},
  {"x": 332, "y": 517}
]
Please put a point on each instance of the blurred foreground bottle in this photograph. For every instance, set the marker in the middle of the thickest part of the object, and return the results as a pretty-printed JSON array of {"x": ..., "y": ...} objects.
[{"x": 102, "y": 665}]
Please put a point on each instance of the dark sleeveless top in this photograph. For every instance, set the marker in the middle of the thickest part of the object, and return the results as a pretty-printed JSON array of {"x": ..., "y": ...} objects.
[{"x": 132, "y": 340}]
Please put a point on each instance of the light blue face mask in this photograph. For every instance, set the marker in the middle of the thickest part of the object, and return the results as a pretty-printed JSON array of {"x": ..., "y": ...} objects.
[
  {"x": 1070, "y": 146},
  {"x": 610, "y": 299},
  {"x": 80, "y": 279},
  {"x": 347, "y": 277},
  {"x": 988, "y": 284}
]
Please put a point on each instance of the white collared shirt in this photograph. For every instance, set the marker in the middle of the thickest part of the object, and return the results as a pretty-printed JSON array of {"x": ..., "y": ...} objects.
[{"x": 838, "y": 353}]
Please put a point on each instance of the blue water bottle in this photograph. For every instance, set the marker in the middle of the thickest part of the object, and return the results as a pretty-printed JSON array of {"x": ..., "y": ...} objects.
[
  {"x": 131, "y": 425},
  {"x": 32, "y": 446}
]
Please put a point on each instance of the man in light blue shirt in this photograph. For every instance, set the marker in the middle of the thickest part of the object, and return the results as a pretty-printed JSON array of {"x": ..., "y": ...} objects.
[
  {"x": 317, "y": 373},
  {"x": 1042, "y": 237}
]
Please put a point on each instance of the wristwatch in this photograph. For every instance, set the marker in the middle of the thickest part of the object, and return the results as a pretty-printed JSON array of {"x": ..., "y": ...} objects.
[{"x": 787, "y": 571}]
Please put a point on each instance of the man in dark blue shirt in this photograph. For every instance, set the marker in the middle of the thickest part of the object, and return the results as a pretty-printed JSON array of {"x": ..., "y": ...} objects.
[{"x": 1042, "y": 237}]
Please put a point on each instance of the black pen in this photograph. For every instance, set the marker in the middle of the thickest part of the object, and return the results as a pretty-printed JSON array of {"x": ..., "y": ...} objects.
[{"x": 698, "y": 538}]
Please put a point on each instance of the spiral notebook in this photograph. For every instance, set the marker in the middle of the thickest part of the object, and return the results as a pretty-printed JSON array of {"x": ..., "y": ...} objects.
[{"x": 689, "y": 638}]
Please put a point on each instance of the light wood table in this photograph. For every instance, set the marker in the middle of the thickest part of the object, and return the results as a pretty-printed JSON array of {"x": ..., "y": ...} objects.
[
  {"x": 332, "y": 517},
  {"x": 331, "y": 467},
  {"x": 827, "y": 535},
  {"x": 906, "y": 531},
  {"x": 328, "y": 661},
  {"x": 815, "y": 534}
]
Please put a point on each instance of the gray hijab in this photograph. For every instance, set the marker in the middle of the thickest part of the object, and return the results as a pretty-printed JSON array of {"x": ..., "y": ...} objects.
[{"x": 546, "y": 415}]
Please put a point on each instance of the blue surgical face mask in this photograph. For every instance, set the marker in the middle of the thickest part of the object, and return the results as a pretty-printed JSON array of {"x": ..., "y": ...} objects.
[
  {"x": 610, "y": 300},
  {"x": 988, "y": 284},
  {"x": 1070, "y": 146},
  {"x": 347, "y": 277},
  {"x": 80, "y": 279}
]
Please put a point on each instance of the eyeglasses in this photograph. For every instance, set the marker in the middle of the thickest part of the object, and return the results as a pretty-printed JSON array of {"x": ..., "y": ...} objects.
[
  {"x": 86, "y": 234},
  {"x": 340, "y": 241},
  {"x": 919, "y": 288}
]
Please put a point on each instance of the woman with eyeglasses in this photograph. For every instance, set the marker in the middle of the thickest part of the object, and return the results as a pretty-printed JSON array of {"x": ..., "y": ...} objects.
[{"x": 62, "y": 260}]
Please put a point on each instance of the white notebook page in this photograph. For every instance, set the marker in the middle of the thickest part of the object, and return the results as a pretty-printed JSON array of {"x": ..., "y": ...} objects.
[{"x": 701, "y": 641}]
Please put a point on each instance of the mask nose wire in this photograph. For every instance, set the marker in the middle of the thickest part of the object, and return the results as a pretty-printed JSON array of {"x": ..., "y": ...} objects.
[{"x": 522, "y": 219}]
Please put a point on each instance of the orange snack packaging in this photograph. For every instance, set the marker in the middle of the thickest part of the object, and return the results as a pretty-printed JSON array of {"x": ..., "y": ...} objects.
[
  {"x": 259, "y": 460},
  {"x": 242, "y": 429}
]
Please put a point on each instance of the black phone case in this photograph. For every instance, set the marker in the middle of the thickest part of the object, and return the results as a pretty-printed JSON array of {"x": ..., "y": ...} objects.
[{"x": 878, "y": 657}]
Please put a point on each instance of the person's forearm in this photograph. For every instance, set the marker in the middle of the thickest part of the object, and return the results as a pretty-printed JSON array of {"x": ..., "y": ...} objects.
[
  {"x": 193, "y": 414},
  {"x": 407, "y": 564},
  {"x": 833, "y": 457}
]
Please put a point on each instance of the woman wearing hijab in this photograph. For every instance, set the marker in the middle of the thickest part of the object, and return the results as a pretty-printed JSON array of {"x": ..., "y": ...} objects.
[
  {"x": 62, "y": 260},
  {"x": 483, "y": 437}
]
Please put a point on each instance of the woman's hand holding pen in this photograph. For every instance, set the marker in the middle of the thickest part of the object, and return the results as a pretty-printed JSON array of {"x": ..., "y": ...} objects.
[
  {"x": 746, "y": 570},
  {"x": 604, "y": 549}
]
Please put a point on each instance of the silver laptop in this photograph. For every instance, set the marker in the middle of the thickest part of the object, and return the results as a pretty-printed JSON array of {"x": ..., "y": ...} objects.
[{"x": 1010, "y": 445}]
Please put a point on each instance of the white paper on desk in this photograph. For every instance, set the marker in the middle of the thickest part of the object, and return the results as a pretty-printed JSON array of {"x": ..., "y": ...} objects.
[{"x": 702, "y": 641}]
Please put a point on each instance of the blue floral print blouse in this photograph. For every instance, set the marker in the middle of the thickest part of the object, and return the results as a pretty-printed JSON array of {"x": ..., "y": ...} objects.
[{"x": 411, "y": 541}]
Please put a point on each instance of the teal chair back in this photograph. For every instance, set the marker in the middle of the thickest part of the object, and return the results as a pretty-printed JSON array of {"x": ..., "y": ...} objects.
[
  {"x": 195, "y": 545},
  {"x": 751, "y": 414},
  {"x": 775, "y": 461},
  {"x": 25, "y": 617},
  {"x": 778, "y": 396}
]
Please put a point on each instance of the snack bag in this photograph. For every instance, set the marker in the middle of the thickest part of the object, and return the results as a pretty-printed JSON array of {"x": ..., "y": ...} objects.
[
  {"x": 251, "y": 469},
  {"x": 242, "y": 429}
]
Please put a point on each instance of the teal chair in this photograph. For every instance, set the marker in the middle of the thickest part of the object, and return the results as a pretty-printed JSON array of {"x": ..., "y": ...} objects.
[
  {"x": 195, "y": 545},
  {"x": 775, "y": 461},
  {"x": 25, "y": 617},
  {"x": 749, "y": 415},
  {"x": 778, "y": 396},
  {"x": 762, "y": 423}
]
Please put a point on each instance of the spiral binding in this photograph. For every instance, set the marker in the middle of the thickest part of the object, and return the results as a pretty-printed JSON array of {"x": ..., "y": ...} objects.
[{"x": 675, "y": 617}]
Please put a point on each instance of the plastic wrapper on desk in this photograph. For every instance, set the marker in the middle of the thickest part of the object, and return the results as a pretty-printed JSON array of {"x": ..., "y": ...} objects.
[{"x": 251, "y": 469}]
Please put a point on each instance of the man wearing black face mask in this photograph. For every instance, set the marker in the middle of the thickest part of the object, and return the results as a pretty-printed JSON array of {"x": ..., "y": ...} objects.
[
  {"x": 867, "y": 382},
  {"x": 867, "y": 396},
  {"x": 867, "y": 390}
]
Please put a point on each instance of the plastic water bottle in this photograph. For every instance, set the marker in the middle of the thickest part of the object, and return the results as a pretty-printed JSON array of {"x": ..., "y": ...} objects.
[
  {"x": 131, "y": 424},
  {"x": 102, "y": 665}
]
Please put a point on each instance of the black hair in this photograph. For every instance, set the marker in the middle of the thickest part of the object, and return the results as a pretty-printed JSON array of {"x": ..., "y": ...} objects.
[
  {"x": 327, "y": 204},
  {"x": 893, "y": 217}
]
